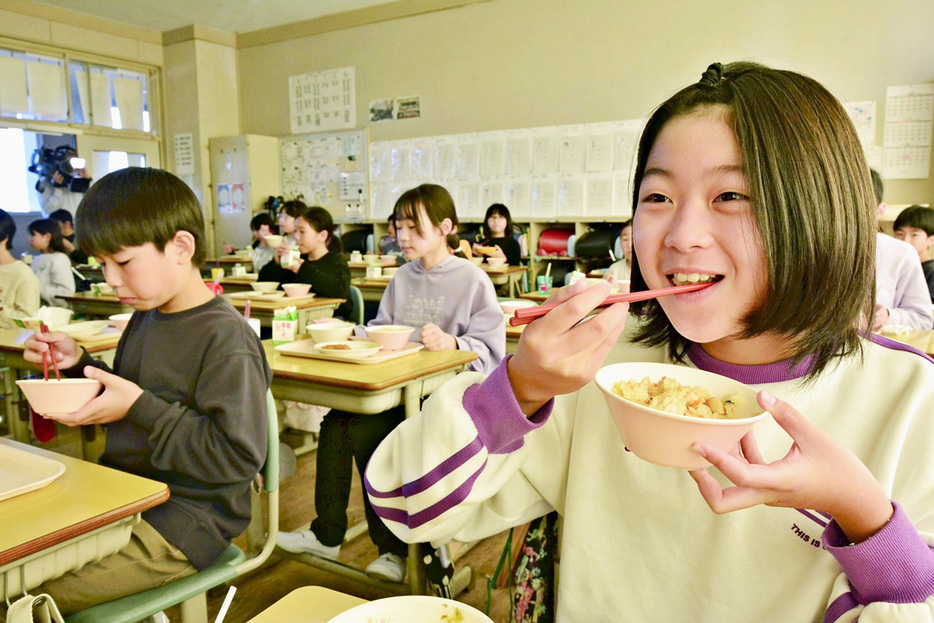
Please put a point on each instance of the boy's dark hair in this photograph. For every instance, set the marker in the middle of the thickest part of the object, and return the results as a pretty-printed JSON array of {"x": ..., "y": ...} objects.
[
  {"x": 261, "y": 219},
  {"x": 812, "y": 204},
  {"x": 62, "y": 216},
  {"x": 877, "y": 186},
  {"x": 438, "y": 206},
  {"x": 500, "y": 209},
  {"x": 133, "y": 206},
  {"x": 48, "y": 226},
  {"x": 7, "y": 229},
  {"x": 918, "y": 217},
  {"x": 321, "y": 220}
]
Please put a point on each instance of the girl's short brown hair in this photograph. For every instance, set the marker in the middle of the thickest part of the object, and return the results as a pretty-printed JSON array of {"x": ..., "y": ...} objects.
[
  {"x": 812, "y": 201},
  {"x": 438, "y": 206},
  {"x": 133, "y": 206}
]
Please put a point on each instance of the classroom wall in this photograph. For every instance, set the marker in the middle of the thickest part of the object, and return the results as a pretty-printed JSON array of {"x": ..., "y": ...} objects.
[{"x": 508, "y": 64}]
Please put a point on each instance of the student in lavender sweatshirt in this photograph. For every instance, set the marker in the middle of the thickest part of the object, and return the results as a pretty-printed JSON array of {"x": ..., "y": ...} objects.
[
  {"x": 753, "y": 179},
  {"x": 453, "y": 305}
]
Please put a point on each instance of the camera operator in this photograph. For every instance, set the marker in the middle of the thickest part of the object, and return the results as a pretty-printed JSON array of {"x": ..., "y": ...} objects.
[{"x": 63, "y": 179}]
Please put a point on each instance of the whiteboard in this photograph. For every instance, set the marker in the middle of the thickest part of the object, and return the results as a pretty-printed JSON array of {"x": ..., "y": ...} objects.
[{"x": 328, "y": 169}]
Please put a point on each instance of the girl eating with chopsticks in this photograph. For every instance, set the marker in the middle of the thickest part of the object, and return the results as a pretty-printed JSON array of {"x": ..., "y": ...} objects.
[{"x": 752, "y": 179}]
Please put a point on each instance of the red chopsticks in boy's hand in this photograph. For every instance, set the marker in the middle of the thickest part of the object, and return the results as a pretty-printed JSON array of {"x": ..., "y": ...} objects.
[
  {"x": 525, "y": 315},
  {"x": 45, "y": 362}
]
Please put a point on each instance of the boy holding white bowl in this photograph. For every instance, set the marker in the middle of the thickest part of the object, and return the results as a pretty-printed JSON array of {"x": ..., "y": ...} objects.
[{"x": 186, "y": 401}]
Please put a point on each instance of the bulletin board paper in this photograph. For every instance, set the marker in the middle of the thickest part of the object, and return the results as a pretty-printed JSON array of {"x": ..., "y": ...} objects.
[
  {"x": 909, "y": 117},
  {"x": 322, "y": 101},
  {"x": 327, "y": 169}
]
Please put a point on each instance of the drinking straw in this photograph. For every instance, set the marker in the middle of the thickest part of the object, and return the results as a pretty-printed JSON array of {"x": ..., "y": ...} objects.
[
  {"x": 548, "y": 270},
  {"x": 525, "y": 315},
  {"x": 612, "y": 255},
  {"x": 223, "y": 611},
  {"x": 246, "y": 312},
  {"x": 45, "y": 329}
]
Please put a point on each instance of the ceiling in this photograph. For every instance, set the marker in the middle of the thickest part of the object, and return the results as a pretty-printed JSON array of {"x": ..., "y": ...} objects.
[{"x": 236, "y": 16}]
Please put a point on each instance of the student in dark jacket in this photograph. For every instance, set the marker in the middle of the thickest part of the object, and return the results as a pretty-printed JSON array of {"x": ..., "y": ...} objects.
[
  {"x": 321, "y": 263},
  {"x": 498, "y": 236}
]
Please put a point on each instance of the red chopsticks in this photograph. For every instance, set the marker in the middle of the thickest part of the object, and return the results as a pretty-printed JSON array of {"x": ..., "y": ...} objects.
[
  {"x": 46, "y": 355},
  {"x": 525, "y": 315}
]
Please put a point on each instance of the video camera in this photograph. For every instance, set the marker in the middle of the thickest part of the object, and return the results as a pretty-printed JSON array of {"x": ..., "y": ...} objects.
[{"x": 46, "y": 162}]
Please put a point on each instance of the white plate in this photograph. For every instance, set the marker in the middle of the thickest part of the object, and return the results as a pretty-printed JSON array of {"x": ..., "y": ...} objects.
[
  {"x": 21, "y": 472},
  {"x": 86, "y": 329},
  {"x": 412, "y": 609},
  {"x": 358, "y": 349},
  {"x": 259, "y": 296}
]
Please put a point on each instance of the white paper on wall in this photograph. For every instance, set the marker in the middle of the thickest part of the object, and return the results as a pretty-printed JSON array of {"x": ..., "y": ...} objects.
[
  {"x": 622, "y": 194},
  {"x": 467, "y": 157},
  {"x": 544, "y": 150},
  {"x": 570, "y": 195},
  {"x": 467, "y": 201},
  {"x": 399, "y": 162},
  {"x": 421, "y": 159},
  {"x": 543, "y": 196},
  {"x": 48, "y": 92},
  {"x": 863, "y": 116},
  {"x": 323, "y": 100},
  {"x": 14, "y": 97},
  {"x": 492, "y": 148},
  {"x": 518, "y": 152},
  {"x": 599, "y": 147},
  {"x": 598, "y": 195},
  {"x": 444, "y": 157},
  {"x": 909, "y": 117},
  {"x": 379, "y": 161},
  {"x": 491, "y": 191},
  {"x": 572, "y": 149},
  {"x": 625, "y": 144},
  {"x": 517, "y": 196}
]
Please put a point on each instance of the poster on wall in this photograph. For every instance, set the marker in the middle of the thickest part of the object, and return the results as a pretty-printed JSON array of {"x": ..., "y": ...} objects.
[
  {"x": 408, "y": 107},
  {"x": 380, "y": 110},
  {"x": 909, "y": 117},
  {"x": 322, "y": 100},
  {"x": 224, "y": 203}
]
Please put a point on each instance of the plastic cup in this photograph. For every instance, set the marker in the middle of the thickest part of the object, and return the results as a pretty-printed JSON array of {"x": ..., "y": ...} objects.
[{"x": 544, "y": 283}]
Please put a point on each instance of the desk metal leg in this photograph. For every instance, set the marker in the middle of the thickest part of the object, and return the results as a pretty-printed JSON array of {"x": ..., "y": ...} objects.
[{"x": 412, "y": 396}]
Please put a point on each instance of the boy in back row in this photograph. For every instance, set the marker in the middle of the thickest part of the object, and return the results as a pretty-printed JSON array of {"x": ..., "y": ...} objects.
[{"x": 186, "y": 401}]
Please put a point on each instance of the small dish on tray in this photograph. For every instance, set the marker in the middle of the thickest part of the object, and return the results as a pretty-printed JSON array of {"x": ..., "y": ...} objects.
[{"x": 356, "y": 349}]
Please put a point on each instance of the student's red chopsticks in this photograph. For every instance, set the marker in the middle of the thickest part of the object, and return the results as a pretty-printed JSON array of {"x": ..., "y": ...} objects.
[
  {"x": 45, "y": 363},
  {"x": 525, "y": 315}
]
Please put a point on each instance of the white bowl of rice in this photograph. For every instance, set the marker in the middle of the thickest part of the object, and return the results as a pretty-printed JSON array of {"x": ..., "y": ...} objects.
[{"x": 662, "y": 410}]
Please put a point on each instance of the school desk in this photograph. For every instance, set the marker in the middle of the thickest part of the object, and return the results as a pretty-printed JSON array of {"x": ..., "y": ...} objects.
[
  {"x": 366, "y": 389},
  {"x": 371, "y": 289},
  {"x": 86, "y": 513},
  {"x": 922, "y": 339},
  {"x": 358, "y": 269},
  {"x": 307, "y": 307},
  {"x": 15, "y": 365},
  {"x": 227, "y": 260},
  {"x": 505, "y": 274},
  {"x": 512, "y": 337},
  {"x": 96, "y": 305},
  {"x": 538, "y": 297},
  {"x": 308, "y": 604},
  {"x": 235, "y": 284}
]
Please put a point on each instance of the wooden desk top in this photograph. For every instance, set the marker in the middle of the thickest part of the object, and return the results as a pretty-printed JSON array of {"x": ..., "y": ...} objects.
[
  {"x": 285, "y": 301},
  {"x": 921, "y": 339},
  {"x": 538, "y": 297},
  {"x": 84, "y": 498},
  {"x": 227, "y": 259},
  {"x": 372, "y": 284},
  {"x": 308, "y": 604},
  {"x": 365, "y": 377},
  {"x": 503, "y": 270},
  {"x": 248, "y": 280},
  {"x": 90, "y": 296},
  {"x": 514, "y": 332},
  {"x": 13, "y": 340}
]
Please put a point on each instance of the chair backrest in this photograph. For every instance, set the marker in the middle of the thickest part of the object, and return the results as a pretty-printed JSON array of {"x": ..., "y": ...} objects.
[
  {"x": 270, "y": 484},
  {"x": 356, "y": 297}
]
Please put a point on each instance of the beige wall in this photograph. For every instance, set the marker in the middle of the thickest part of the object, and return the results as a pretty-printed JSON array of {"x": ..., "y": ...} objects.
[{"x": 524, "y": 63}]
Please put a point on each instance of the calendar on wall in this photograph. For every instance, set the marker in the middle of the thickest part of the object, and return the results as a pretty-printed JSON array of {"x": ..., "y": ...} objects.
[
  {"x": 909, "y": 117},
  {"x": 322, "y": 101}
]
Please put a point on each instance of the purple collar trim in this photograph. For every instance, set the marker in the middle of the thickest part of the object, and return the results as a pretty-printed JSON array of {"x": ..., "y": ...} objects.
[
  {"x": 750, "y": 375},
  {"x": 896, "y": 345}
]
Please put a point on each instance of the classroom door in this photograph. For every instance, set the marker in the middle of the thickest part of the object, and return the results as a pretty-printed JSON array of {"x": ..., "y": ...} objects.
[{"x": 105, "y": 154}]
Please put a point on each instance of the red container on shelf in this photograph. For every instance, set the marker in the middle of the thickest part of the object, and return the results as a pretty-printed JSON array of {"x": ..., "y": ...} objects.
[{"x": 554, "y": 242}]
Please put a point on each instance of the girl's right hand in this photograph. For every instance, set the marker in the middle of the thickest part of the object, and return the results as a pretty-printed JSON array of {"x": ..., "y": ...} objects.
[
  {"x": 64, "y": 349},
  {"x": 556, "y": 355}
]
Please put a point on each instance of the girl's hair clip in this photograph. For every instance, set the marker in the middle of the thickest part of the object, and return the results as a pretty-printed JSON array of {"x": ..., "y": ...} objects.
[{"x": 713, "y": 77}]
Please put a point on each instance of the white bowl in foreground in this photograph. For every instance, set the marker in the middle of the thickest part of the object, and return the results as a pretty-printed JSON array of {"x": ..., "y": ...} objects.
[
  {"x": 666, "y": 438},
  {"x": 54, "y": 397},
  {"x": 296, "y": 289},
  {"x": 496, "y": 262},
  {"x": 510, "y": 307},
  {"x": 84, "y": 329},
  {"x": 264, "y": 286},
  {"x": 391, "y": 336},
  {"x": 412, "y": 609},
  {"x": 273, "y": 240},
  {"x": 330, "y": 331}
]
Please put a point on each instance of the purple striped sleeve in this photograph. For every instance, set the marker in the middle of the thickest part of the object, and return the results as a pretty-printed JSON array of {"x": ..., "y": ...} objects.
[
  {"x": 500, "y": 423},
  {"x": 894, "y": 565}
]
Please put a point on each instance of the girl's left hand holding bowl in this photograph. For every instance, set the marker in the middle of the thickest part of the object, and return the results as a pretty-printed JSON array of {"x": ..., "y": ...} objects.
[{"x": 818, "y": 473}]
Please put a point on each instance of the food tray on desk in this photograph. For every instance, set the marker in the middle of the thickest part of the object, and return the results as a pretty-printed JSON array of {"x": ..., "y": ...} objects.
[
  {"x": 261, "y": 296},
  {"x": 21, "y": 472},
  {"x": 306, "y": 348}
]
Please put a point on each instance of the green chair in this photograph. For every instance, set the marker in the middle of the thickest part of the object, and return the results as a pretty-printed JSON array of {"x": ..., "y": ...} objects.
[
  {"x": 356, "y": 297},
  {"x": 190, "y": 591}
]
